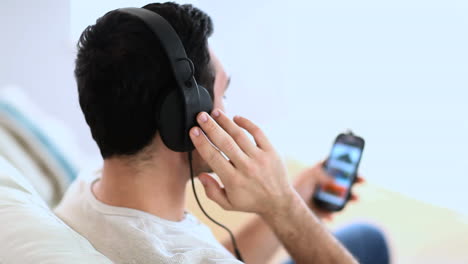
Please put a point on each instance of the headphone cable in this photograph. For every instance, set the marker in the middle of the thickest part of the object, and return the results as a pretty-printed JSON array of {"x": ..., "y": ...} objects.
[{"x": 233, "y": 239}]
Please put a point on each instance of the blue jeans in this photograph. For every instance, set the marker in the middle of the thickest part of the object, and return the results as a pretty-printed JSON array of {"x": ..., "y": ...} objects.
[{"x": 366, "y": 242}]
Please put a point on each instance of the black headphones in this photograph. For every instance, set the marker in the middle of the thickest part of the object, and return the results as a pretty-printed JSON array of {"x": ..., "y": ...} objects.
[{"x": 178, "y": 111}]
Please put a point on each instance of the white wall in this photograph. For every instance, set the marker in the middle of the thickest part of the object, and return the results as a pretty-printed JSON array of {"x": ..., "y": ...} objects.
[
  {"x": 37, "y": 55},
  {"x": 393, "y": 71}
]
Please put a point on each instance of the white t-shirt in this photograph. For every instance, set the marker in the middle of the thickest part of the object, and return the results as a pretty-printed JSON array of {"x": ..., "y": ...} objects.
[{"x": 127, "y": 235}]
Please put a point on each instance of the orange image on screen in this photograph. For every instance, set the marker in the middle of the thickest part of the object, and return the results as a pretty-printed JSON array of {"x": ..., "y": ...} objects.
[{"x": 335, "y": 189}]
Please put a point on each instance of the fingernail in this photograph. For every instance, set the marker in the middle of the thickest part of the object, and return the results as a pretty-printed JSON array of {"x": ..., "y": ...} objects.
[
  {"x": 203, "y": 118},
  {"x": 196, "y": 132},
  {"x": 216, "y": 113}
]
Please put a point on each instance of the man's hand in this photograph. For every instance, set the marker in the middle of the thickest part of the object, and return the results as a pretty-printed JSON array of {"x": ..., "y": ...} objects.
[
  {"x": 254, "y": 177},
  {"x": 306, "y": 183},
  {"x": 255, "y": 181}
]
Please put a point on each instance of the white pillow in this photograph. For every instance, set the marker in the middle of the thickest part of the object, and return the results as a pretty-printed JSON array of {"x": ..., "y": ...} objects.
[
  {"x": 30, "y": 134},
  {"x": 30, "y": 232}
]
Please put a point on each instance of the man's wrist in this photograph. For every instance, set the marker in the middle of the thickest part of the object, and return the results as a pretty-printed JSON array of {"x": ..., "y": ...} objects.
[{"x": 284, "y": 208}]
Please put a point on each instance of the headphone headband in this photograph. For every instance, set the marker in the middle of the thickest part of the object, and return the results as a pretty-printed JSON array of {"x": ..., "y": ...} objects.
[{"x": 182, "y": 67}]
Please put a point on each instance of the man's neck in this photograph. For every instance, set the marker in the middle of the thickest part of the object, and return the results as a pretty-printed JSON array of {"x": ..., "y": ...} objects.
[{"x": 155, "y": 186}]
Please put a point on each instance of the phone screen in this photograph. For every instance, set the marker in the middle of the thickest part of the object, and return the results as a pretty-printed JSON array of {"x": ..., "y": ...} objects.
[{"x": 342, "y": 166}]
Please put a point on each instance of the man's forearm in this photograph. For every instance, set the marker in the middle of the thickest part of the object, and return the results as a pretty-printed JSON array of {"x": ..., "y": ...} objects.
[{"x": 305, "y": 238}]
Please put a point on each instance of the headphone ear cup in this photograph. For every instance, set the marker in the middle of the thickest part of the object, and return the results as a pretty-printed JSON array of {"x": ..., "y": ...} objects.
[
  {"x": 171, "y": 119},
  {"x": 206, "y": 102}
]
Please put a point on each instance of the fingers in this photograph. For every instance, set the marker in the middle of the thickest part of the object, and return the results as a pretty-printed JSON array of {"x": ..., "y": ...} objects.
[
  {"x": 360, "y": 179},
  {"x": 214, "y": 191},
  {"x": 235, "y": 132},
  {"x": 211, "y": 155},
  {"x": 260, "y": 138},
  {"x": 324, "y": 178},
  {"x": 221, "y": 139},
  {"x": 353, "y": 197}
]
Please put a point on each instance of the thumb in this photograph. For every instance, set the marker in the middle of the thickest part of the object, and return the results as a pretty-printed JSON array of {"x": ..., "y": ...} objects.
[
  {"x": 324, "y": 178},
  {"x": 214, "y": 191}
]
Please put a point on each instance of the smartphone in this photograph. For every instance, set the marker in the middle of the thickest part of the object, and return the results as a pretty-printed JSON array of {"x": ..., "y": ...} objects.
[{"x": 342, "y": 165}]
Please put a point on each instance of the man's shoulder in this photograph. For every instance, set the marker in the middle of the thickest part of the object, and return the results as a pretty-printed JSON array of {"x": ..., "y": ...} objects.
[{"x": 75, "y": 197}]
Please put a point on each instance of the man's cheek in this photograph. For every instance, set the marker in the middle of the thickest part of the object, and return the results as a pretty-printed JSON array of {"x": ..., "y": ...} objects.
[{"x": 219, "y": 103}]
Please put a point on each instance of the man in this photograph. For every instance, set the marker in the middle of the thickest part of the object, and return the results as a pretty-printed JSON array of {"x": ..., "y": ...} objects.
[{"x": 133, "y": 209}]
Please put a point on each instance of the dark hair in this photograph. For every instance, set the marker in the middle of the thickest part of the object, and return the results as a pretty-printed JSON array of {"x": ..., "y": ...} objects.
[{"x": 122, "y": 73}]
